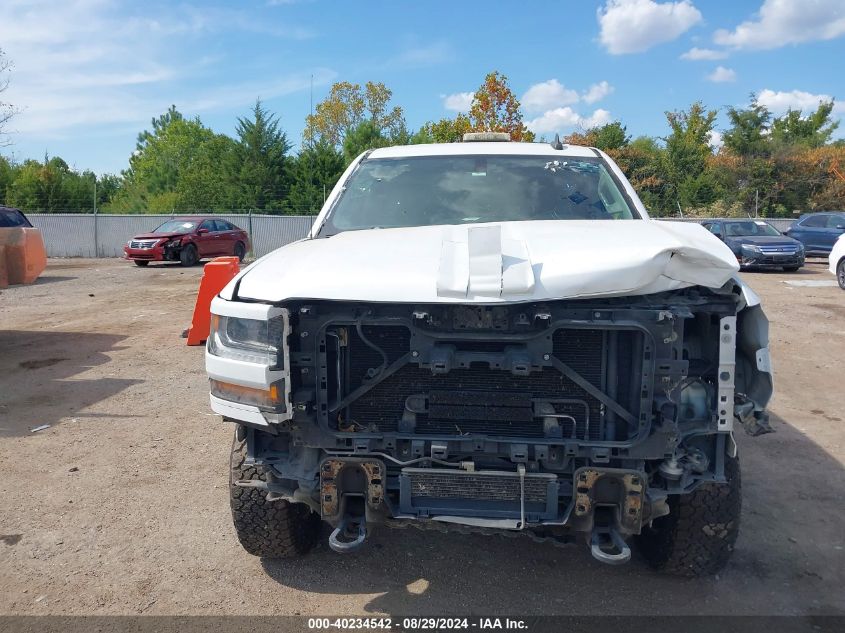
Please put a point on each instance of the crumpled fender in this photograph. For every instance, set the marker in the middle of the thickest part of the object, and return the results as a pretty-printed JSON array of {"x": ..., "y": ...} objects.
[{"x": 754, "y": 379}]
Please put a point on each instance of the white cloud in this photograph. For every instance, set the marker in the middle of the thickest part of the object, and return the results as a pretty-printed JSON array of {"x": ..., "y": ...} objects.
[
  {"x": 547, "y": 95},
  {"x": 458, "y": 102},
  {"x": 93, "y": 64},
  {"x": 722, "y": 75},
  {"x": 560, "y": 119},
  {"x": 782, "y": 22},
  {"x": 715, "y": 139},
  {"x": 597, "y": 92},
  {"x": 707, "y": 54},
  {"x": 551, "y": 101},
  {"x": 550, "y": 95},
  {"x": 781, "y": 101},
  {"x": 633, "y": 26}
]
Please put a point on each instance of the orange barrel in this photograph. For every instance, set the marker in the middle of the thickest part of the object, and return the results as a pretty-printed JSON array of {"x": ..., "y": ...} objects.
[
  {"x": 215, "y": 275},
  {"x": 22, "y": 255}
]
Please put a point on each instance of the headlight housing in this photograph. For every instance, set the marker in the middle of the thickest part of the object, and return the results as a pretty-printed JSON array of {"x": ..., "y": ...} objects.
[
  {"x": 750, "y": 248},
  {"x": 249, "y": 340}
]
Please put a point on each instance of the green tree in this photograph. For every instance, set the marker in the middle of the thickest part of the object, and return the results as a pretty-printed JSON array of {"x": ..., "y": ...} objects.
[
  {"x": 107, "y": 187},
  {"x": 161, "y": 157},
  {"x": 814, "y": 130},
  {"x": 7, "y": 176},
  {"x": 361, "y": 138},
  {"x": 445, "y": 130},
  {"x": 687, "y": 153},
  {"x": 25, "y": 191},
  {"x": 495, "y": 108},
  {"x": 312, "y": 174},
  {"x": 611, "y": 136},
  {"x": 748, "y": 134},
  {"x": 261, "y": 155},
  {"x": 347, "y": 106},
  {"x": 211, "y": 182},
  {"x": 643, "y": 163}
]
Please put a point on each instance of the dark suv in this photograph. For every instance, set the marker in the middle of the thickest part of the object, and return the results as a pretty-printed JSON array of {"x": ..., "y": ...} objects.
[
  {"x": 11, "y": 218},
  {"x": 818, "y": 232}
]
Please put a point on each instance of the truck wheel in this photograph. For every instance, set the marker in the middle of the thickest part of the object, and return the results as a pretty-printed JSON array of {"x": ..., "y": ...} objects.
[
  {"x": 140, "y": 262},
  {"x": 188, "y": 255},
  {"x": 270, "y": 529},
  {"x": 697, "y": 537}
]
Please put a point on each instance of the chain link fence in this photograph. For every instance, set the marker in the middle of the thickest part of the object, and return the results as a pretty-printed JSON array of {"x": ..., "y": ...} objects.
[{"x": 102, "y": 235}]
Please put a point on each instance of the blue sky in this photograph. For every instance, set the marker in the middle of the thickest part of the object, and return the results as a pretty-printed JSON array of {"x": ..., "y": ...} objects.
[{"x": 90, "y": 74}]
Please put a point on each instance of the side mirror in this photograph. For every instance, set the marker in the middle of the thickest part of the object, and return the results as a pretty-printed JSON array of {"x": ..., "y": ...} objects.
[
  {"x": 719, "y": 235},
  {"x": 202, "y": 231}
]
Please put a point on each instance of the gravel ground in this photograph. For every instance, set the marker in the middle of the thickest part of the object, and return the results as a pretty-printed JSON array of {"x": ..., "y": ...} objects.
[{"x": 121, "y": 505}]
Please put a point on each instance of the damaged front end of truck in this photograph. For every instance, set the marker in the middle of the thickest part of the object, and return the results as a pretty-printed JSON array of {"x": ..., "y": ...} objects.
[{"x": 559, "y": 418}]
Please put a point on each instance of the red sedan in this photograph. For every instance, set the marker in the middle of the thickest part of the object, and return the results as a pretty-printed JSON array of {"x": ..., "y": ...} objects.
[{"x": 188, "y": 240}]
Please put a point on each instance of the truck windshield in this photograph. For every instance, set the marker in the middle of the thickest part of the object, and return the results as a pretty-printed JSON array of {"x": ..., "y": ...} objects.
[{"x": 426, "y": 191}]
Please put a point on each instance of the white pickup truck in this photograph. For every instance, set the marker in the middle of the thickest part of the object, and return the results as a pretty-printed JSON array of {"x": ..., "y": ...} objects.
[{"x": 491, "y": 336}]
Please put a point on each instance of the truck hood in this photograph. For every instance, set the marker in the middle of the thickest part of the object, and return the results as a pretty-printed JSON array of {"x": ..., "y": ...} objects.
[{"x": 491, "y": 263}]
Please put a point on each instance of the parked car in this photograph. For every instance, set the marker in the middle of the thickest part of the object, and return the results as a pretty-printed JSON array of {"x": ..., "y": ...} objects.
[
  {"x": 757, "y": 244},
  {"x": 491, "y": 336},
  {"x": 188, "y": 240},
  {"x": 13, "y": 218},
  {"x": 836, "y": 261},
  {"x": 818, "y": 232}
]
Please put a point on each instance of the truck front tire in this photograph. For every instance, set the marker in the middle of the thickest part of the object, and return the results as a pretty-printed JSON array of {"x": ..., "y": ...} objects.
[
  {"x": 270, "y": 529},
  {"x": 697, "y": 537}
]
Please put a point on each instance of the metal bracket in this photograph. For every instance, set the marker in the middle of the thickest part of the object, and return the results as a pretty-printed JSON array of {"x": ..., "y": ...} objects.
[
  {"x": 727, "y": 369},
  {"x": 618, "y": 487},
  {"x": 330, "y": 492}
]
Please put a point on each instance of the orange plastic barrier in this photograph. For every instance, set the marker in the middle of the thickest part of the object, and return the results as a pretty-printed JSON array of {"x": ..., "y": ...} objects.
[
  {"x": 22, "y": 255},
  {"x": 215, "y": 275}
]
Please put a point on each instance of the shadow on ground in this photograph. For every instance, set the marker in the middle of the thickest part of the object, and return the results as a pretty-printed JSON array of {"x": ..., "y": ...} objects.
[
  {"x": 429, "y": 573},
  {"x": 41, "y": 381}
]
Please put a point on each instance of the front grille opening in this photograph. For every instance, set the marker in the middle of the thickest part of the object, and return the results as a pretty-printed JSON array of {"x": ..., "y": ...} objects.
[{"x": 480, "y": 400}]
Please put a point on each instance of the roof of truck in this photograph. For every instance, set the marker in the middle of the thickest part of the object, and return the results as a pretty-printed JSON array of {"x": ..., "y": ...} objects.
[{"x": 484, "y": 148}]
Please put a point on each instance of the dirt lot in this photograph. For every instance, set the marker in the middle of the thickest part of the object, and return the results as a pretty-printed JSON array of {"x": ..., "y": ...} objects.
[{"x": 121, "y": 505}]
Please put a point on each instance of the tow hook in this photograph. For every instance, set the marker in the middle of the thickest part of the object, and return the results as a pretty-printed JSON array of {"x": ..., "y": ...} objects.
[
  {"x": 607, "y": 546},
  {"x": 350, "y": 533}
]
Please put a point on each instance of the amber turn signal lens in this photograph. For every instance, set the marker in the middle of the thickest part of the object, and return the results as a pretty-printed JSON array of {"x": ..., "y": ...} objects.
[{"x": 270, "y": 399}]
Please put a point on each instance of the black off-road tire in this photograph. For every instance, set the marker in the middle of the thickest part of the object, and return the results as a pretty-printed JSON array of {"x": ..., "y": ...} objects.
[
  {"x": 239, "y": 251},
  {"x": 840, "y": 273},
  {"x": 697, "y": 537},
  {"x": 188, "y": 256},
  {"x": 270, "y": 529},
  {"x": 140, "y": 262}
]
